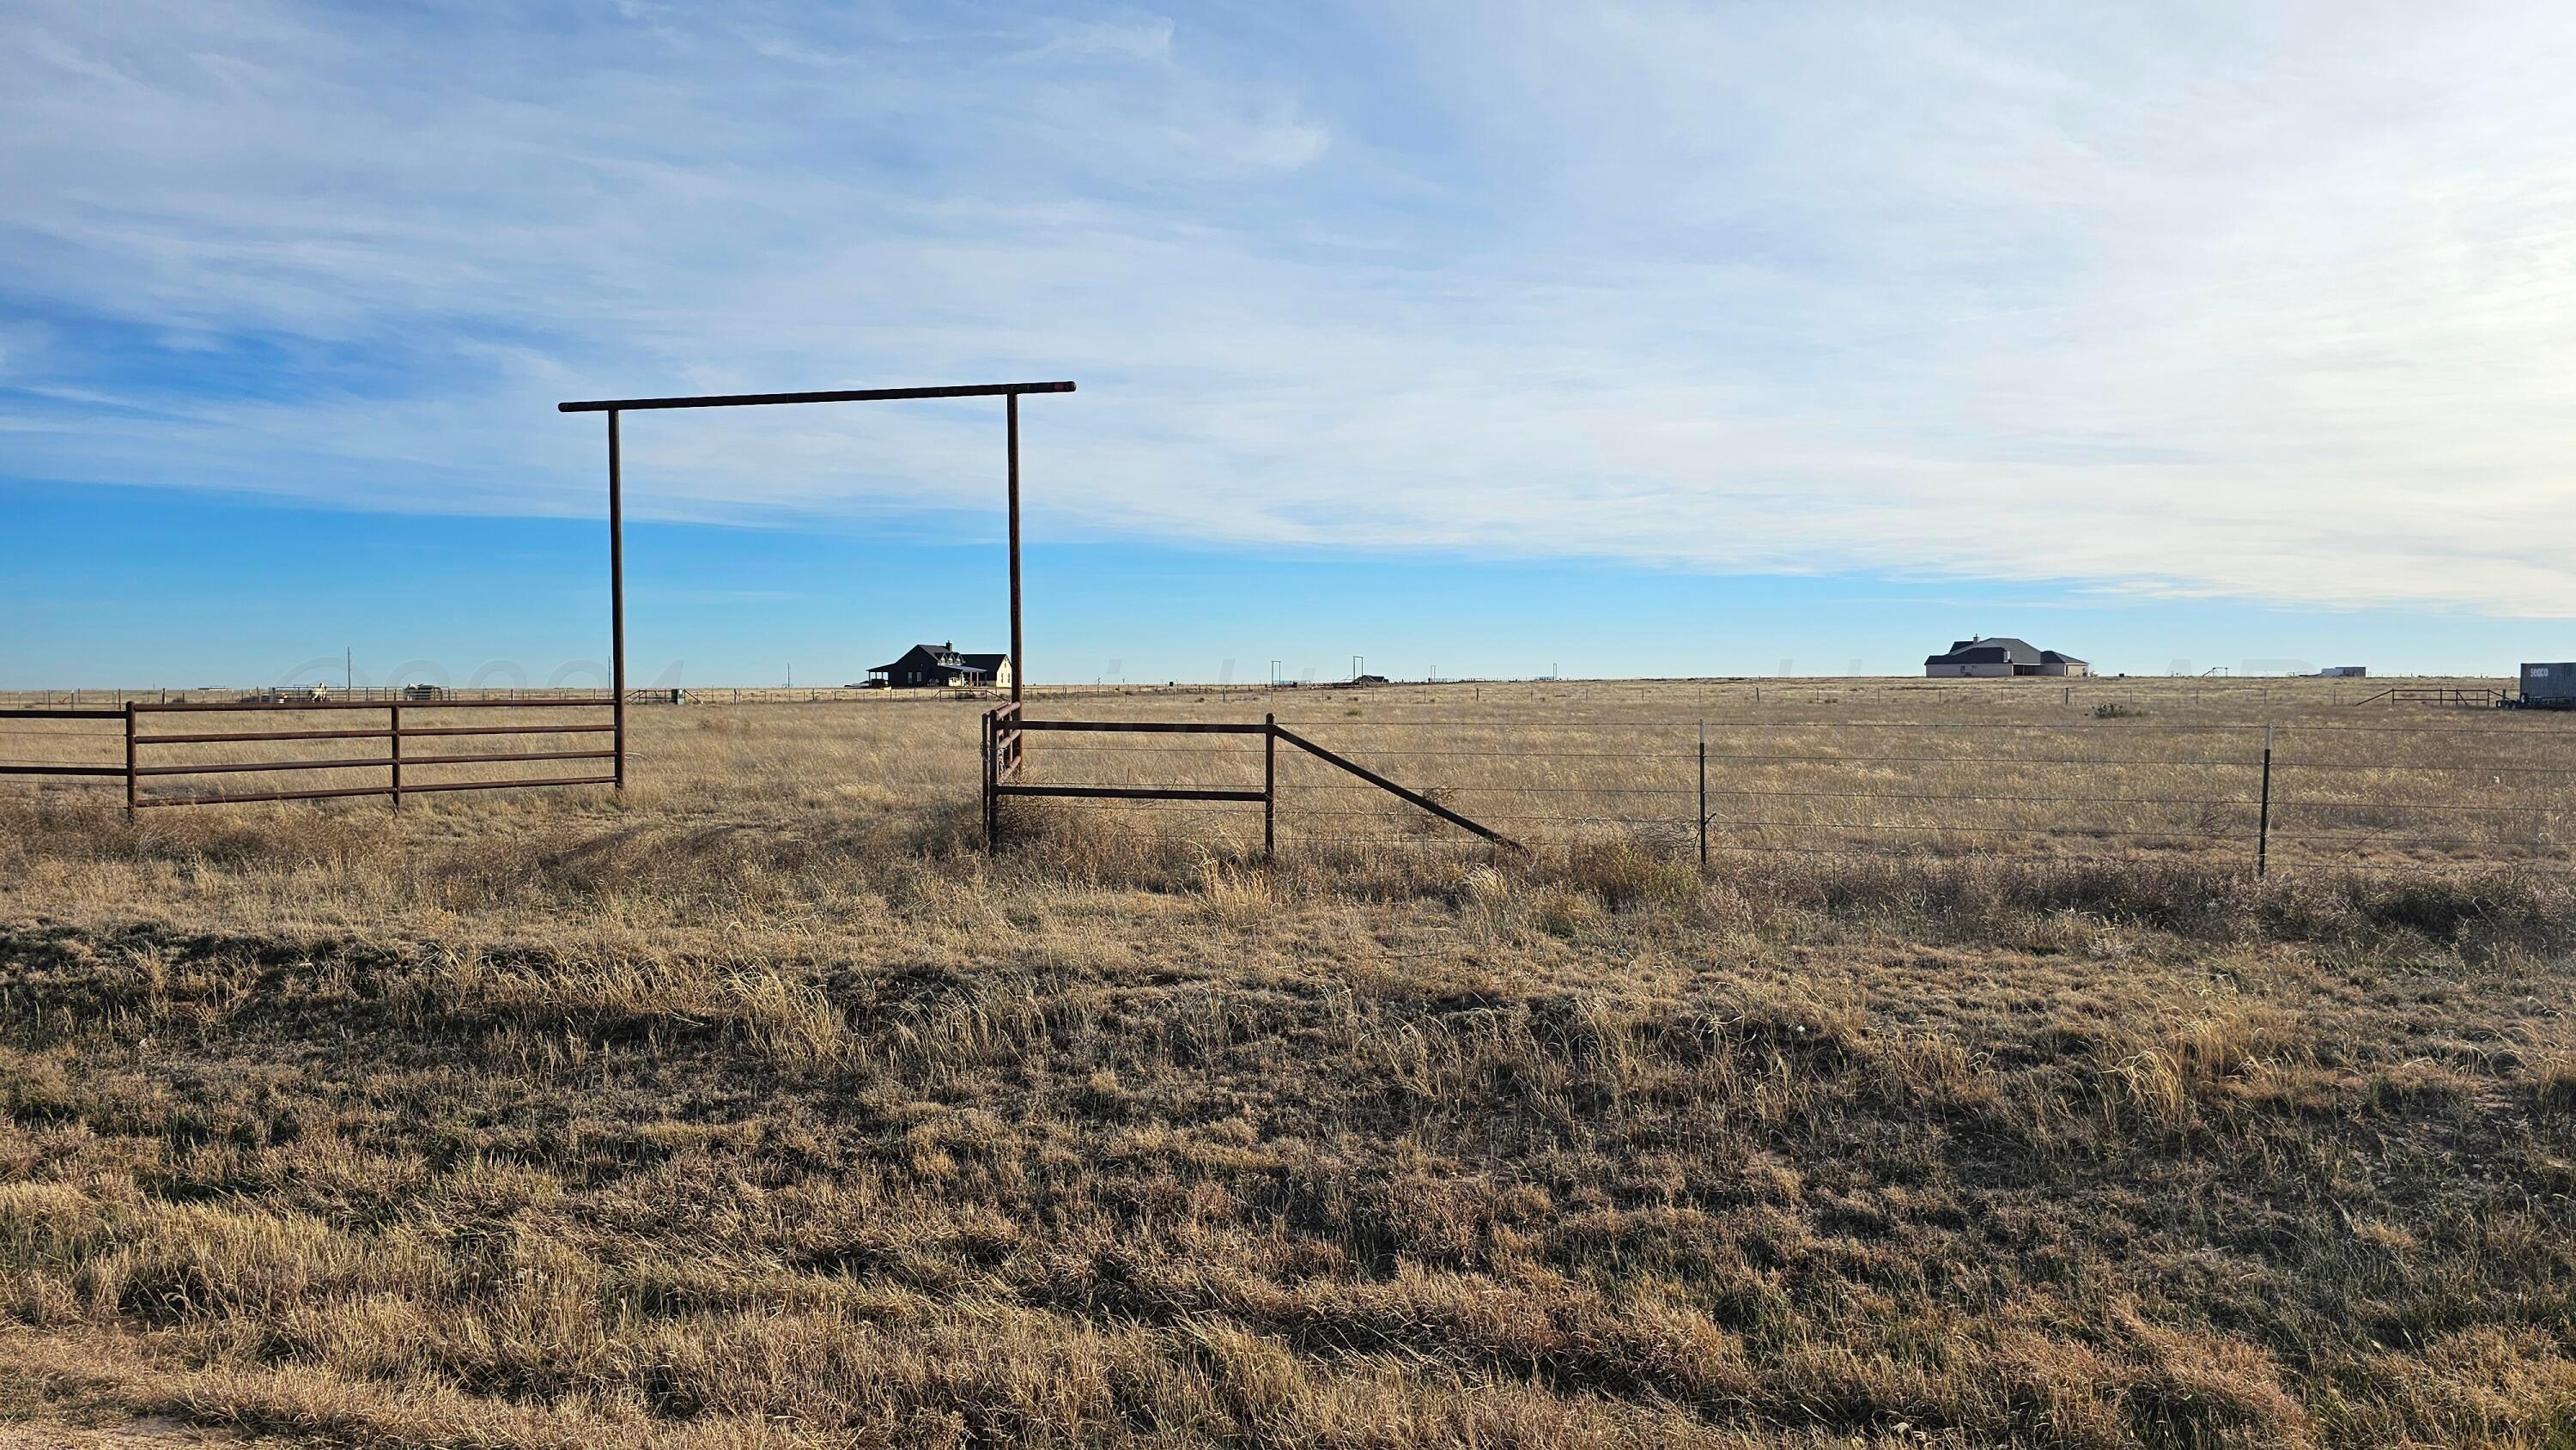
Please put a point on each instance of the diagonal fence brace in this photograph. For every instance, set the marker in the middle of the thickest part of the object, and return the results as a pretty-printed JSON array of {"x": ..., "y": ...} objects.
[{"x": 1384, "y": 784}]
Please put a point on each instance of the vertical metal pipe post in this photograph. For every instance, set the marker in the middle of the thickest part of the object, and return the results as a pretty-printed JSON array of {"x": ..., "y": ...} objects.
[
  {"x": 2263, "y": 824},
  {"x": 129, "y": 760},
  {"x": 616, "y": 601},
  {"x": 1011, "y": 426},
  {"x": 396, "y": 727},
  {"x": 992, "y": 772},
  {"x": 1269, "y": 786},
  {"x": 1703, "y": 793}
]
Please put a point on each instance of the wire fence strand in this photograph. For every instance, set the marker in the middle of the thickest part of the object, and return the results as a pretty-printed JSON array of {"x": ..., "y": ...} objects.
[{"x": 1731, "y": 790}]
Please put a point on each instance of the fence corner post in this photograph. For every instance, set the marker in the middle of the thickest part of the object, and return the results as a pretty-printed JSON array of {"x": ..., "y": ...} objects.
[
  {"x": 1269, "y": 786},
  {"x": 2263, "y": 821},
  {"x": 130, "y": 792},
  {"x": 992, "y": 812}
]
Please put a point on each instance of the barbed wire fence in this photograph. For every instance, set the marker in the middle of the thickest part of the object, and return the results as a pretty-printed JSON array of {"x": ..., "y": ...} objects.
[{"x": 2268, "y": 796}]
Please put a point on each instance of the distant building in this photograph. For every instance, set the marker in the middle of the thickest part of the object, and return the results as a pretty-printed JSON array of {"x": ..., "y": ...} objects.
[
  {"x": 941, "y": 666},
  {"x": 1999, "y": 655},
  {"x": 2344, "y": 672},
  {"x": 2549, "y": 686}
]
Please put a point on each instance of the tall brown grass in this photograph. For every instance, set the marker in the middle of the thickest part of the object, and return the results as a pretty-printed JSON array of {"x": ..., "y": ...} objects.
[{"x": 787, "y": 1116}]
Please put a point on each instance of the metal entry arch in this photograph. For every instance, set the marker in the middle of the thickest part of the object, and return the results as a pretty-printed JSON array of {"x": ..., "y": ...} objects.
[{"x": 1009, "y": 393}]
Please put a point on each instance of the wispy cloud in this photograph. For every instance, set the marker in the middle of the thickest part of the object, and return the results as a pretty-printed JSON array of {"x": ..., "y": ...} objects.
[{"x": 2270, "y": 303}]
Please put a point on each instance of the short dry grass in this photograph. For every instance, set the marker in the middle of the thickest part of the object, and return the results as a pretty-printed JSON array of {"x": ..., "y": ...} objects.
[
  {"x": 2160, "y": 770},
  {"x": 762, "y": 1108}
]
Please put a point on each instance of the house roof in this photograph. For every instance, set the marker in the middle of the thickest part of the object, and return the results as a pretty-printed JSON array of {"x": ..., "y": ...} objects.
[
  {"x": 946, "y": 657},
  {"x": 1998, "y": 650}
]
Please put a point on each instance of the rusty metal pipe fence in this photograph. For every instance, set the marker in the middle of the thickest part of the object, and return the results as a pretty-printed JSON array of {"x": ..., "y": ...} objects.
[
  {"x": 145, "y": 760},
  {"x": 1003, "y": 756}
]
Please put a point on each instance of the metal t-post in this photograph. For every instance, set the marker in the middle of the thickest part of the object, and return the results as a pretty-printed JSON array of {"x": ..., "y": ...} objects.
[
  {"x": 1703, "y": 795},
  {"x": 2263, "y": 823}
]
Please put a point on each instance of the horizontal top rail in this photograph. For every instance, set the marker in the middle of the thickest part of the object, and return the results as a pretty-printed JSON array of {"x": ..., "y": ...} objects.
[
  {"x": 175, "y": 707},
  {"x": 59, "y": 712},
  {"x": 843, "y": 395},
  {"x": 1144, "y": 727},
  {"x": 380, "y": 732}
]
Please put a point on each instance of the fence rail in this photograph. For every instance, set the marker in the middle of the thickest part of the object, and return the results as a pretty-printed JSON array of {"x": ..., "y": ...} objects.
[
  {"x": 1003, "y": 728},
  {"x": 138, "y": 767}
]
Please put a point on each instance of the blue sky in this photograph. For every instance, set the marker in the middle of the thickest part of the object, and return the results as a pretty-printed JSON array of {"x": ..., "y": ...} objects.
[{"x": 1626, "y": 338}]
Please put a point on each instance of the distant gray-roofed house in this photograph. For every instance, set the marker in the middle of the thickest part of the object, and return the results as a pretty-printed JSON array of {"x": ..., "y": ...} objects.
[
  {"x": 940, "y": 665},
  {"x": 1997, "y": 656}
]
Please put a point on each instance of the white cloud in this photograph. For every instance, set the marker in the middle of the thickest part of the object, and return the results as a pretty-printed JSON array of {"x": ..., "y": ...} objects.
[
  {"x": 1140, "y": 37},
  {"x": 2271, "y": 304}
]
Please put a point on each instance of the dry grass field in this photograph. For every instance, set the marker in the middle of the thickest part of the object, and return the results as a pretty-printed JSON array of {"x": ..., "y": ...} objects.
[{"x": 761, "y": 1107}]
